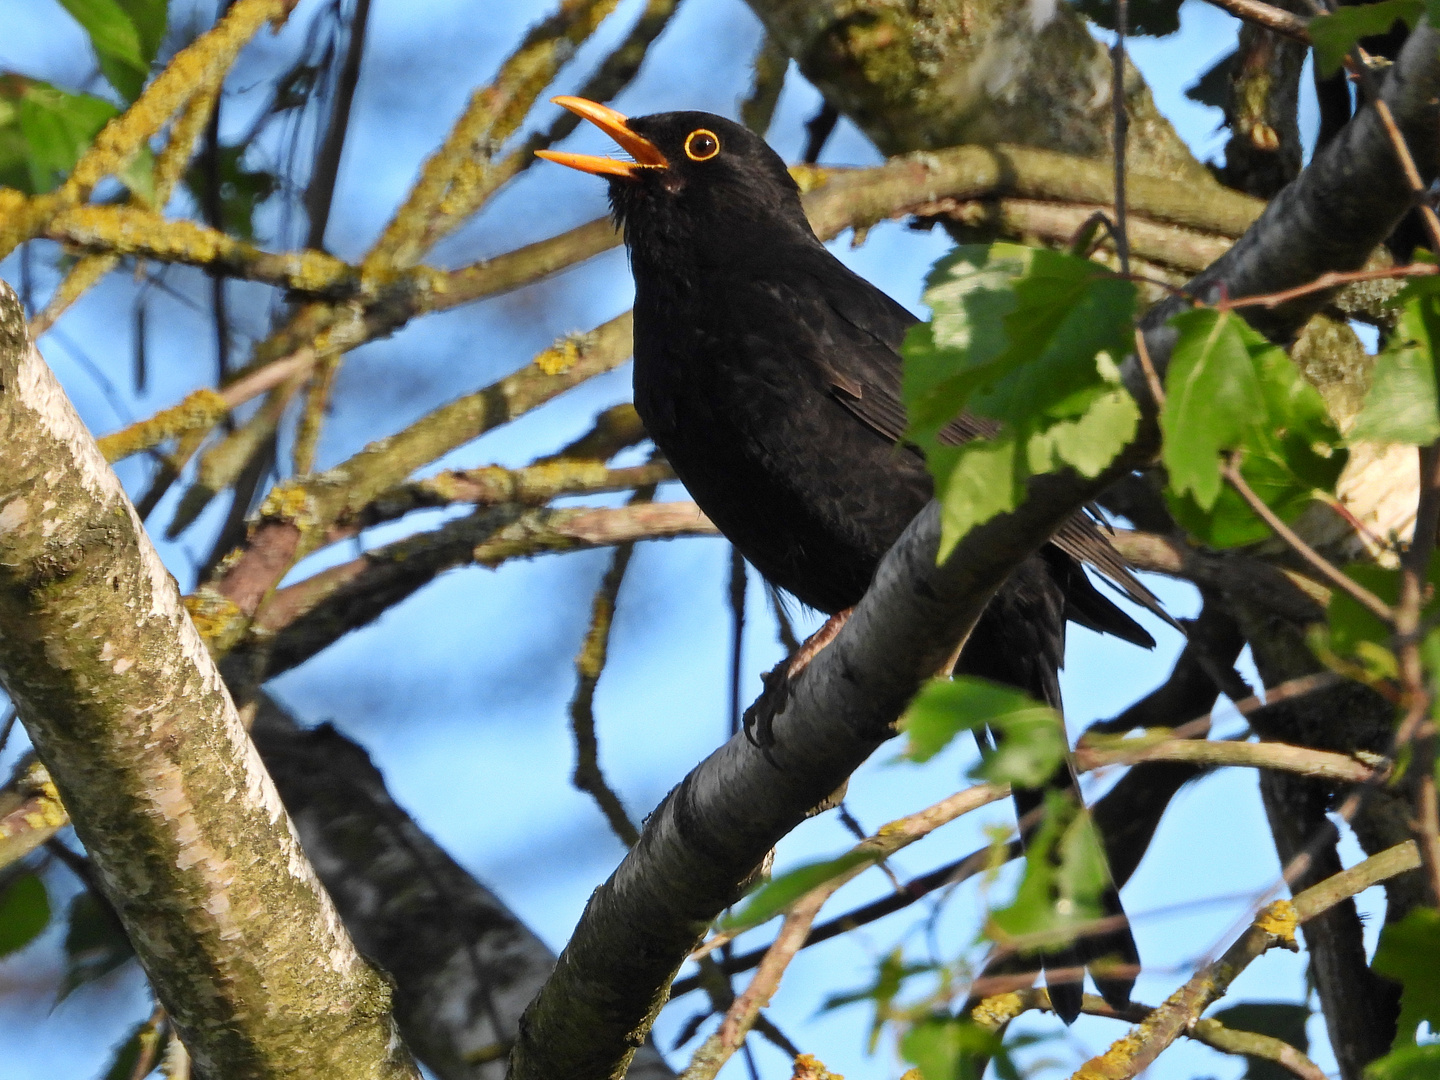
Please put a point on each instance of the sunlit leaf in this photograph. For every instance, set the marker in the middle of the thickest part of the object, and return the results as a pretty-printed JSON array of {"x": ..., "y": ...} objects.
[
  {"x": 780, "y": 892},
  {"x": 1030, "y": 736},
  {"x": 24, "y": 912},
  {"x": 1401, "y": 405},
  {"x": 1335, "y": 34},
  {"x": 946, "y": 1048},
  {"x": 1029, "y": 338},
  {"x": 116, "y": 41},
  {"x": 1407, "y": 1063},
  {"x": 58, "y": 127},
  {"x": 1212, "y": 397}
]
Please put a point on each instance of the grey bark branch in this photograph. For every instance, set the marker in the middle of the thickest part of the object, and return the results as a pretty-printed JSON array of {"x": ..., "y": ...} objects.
[
  {"x": 464, "y": 965},
  {"x": 713, "y": 829},
  {"x": 125, "y": 707}
]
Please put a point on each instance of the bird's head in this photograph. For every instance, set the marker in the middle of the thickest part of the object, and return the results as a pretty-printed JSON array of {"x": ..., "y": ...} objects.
[{"x": 695, "y": 177}]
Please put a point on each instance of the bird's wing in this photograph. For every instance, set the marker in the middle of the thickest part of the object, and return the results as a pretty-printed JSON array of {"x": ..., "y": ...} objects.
[{"x": 869, "y": 387}]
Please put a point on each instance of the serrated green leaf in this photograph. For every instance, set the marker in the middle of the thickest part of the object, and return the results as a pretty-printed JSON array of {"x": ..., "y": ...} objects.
[
  {"x": 1033, "y": 909},
  {"x": 1401, "y": 405},
  {"x": 95, "y": 943},
  {"x": 24, "y": 912},
  {"x": 1030, "y": 746},
  {"x": 1233, "y": 390},
  {"x": 1281, "y": 1020},
  {"x": 779, "y": 893},
  {"x": 1407, "y": 953},
  {"x": 1212, "y": 398},
  {"x": 1030, "y": 338},
  {"x": 1407, "y": 1063},
  {"x": 1335, "y": 34},
  {"x": 116, "y": 41},
  {"x": 891, "y": 974}
]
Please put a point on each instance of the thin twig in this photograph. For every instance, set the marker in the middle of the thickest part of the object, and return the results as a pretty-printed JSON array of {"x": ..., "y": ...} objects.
[
  {"x": 1270, "y": 17},
  {"x": 1328, "y": 281},
  {"x": 1152, "y": 377},
  {"x": 1326, "y": 568},
  {"x": 589, "y": 665},
  {"x": 1122, "y": 124},
  {"x": 1412, "y": 174}
]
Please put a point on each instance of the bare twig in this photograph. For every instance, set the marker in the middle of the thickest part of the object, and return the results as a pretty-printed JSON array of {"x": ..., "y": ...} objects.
[
  {"x": 1362, "y": 596},
  {"x": 588, "y": 666},
  {"x": 1121, "y": 120},
  {"x": 1267, "y": 15}
]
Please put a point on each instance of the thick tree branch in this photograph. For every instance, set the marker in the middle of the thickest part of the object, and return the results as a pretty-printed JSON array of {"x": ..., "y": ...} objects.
[
  {"x": 464, "y": 966},
  {"x": 712, "y": 830},
  {"x": 126, "y": 709}
]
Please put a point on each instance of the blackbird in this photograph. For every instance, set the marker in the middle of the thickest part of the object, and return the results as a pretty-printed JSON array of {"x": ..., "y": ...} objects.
[{"x": 769, "y": 375}]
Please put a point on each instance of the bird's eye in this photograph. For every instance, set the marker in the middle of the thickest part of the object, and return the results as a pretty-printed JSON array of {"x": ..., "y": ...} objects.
[{"x": 701, "y": 145}]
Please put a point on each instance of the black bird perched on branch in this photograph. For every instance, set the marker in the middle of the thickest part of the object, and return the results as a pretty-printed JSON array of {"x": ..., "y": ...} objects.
[{"x": 769, "y": 375}]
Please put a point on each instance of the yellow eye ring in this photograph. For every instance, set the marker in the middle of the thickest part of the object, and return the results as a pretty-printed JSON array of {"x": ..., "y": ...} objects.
[{"x": 702, "y": 144}]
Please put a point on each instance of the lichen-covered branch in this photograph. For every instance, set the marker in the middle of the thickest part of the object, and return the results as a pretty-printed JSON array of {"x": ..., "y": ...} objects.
[
  {"x": 1275, "y": 925},
  {"x": 200, "y": 64},
  {"x": 296, "y": 516},
  {"x": 1316, "y": 764},
  {"x": 127, "y": 711},
  {"x": 916, "y": 77},
  {"x": 306, "y": 617}
]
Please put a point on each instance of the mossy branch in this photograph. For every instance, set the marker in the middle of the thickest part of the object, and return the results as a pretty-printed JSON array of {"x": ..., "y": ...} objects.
[{"x": 127, "y": 711}]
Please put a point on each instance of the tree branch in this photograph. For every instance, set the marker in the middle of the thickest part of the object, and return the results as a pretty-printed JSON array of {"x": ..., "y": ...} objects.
[
  {"x": 712, "y": 830},
  {"x": 128, "y": 713}
]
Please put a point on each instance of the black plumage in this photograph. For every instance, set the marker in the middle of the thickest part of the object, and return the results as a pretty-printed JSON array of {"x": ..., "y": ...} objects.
[{"x": 769, "y": 375}]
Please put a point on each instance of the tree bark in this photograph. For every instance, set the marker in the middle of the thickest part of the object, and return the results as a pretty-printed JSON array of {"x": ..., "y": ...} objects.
[
  {"x": 923, "y": 74},
  {"x": 464, "y": 966},
  {"x": 127, "y": 711}
]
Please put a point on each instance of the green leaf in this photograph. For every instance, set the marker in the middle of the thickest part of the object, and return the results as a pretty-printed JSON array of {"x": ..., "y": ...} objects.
[
  {"x": 150, "y": 19},
  {"x": 1407, "y": 1063},
  {"x": 1031, "y": 738},
  {"x": 1212, "y": 397},
  {"x": 1279, "y": 1019},
  {"x": 1233, "y": 390},
  {"x": 947, "y": 1048},
  {"x": 1151, "y": 18},
  {"x": 1335, "y": 34},
  {"x": 1407, "y": 953},
  {"x": 779, "y": 893},
  {"x": 1401, "y": 405},
  {"x": 890, "y": 975},
  {"x": 95, "y": 943},
  {"x": 116, "y": 41},
  {"x": 1028, "y": 338},
  {"x": 24, "y": 912},
  {"x": 57, "y": 127}
]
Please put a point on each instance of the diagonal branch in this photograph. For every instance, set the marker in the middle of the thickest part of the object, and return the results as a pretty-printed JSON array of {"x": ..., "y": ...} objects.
[
  {"x": 715, "y": 827},
  {"x": 193, "y": 848}
]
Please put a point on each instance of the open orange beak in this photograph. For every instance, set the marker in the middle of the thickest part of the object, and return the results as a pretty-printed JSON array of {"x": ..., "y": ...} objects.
[{"x": 646, "y": 154}]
